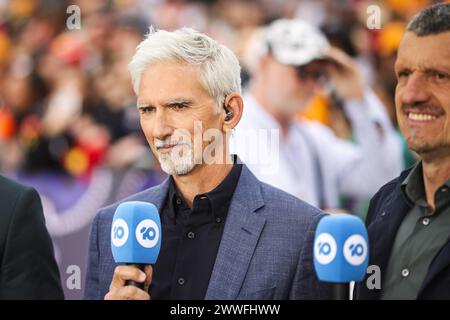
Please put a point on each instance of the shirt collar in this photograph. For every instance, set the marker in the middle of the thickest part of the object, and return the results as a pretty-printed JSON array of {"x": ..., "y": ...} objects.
[
  {"x": 413, "y": 186},
  {"x": 219, "y": 198}
]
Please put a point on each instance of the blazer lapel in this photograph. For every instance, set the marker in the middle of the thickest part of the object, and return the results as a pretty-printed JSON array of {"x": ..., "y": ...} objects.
[
  {"x": 240, "y": 237},
  {"x": 158, "y": 194},
  {"x": 383, "y": 230}
]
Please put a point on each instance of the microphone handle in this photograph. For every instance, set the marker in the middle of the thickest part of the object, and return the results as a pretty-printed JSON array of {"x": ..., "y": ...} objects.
[
  {"x": 139, "y": 285},
  {"x": 341, "y": 291}
]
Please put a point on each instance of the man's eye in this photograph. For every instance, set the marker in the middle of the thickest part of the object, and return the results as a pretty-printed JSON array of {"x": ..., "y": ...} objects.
[
  {"x": 439, "y": 75},
  {"x": 145, "y": 110},
  {"x": 403, "y": 73},
  {"x": 178, "y": 106}
]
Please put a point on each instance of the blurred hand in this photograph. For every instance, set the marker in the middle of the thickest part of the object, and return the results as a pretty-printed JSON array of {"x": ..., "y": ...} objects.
[
  {"x": 345, "y": 74},
  {"x": 119, "y": 291}
]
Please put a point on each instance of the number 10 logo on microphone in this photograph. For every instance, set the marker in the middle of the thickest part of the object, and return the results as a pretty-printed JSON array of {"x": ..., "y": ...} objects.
[{"x": 147, "y": 233}]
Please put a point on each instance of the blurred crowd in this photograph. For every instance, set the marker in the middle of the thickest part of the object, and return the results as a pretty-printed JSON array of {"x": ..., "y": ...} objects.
[
  {"x": 67, "y": 109},
  {"x": 66, "y": 101}
]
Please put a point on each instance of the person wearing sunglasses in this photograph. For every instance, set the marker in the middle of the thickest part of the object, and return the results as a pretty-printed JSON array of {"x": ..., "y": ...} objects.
[{"x": 306, "y": 158}]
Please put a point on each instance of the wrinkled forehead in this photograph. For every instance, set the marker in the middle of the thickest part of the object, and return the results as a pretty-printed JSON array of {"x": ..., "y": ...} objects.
[
  {"x": 167, "y": 80},
  {"x": 431, "y": 51}
]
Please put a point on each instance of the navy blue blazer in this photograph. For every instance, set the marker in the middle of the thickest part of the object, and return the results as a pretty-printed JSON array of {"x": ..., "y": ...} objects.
[{"x": 386, "y": 212}]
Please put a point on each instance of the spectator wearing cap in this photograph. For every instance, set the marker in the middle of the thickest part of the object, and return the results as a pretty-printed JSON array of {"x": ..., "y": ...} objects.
[{"x": 305, "y": 158}]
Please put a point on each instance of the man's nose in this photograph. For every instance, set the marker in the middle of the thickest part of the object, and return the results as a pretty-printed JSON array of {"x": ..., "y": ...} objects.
[
  {"x": 415, "y": 90},
  {"x": 161, "y": 125}
]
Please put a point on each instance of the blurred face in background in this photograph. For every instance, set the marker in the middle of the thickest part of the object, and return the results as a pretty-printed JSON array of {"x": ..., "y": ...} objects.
[
  {"x": 290, "y": 88},
  {"x": 18, "y": 93},
  {"x": 171, "y": 101},
  {"x": 423, "y": 93}
]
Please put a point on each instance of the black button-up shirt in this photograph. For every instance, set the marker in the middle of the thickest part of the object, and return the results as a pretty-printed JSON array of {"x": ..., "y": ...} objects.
[{"x": 190, "y": 240}]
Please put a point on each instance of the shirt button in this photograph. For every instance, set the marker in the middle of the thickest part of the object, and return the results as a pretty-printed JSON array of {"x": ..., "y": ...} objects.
[
  {"x": 218, "y": 220},
  {"x": 383, "y": 213},
  {"x": 181, "y": 281},
  {"x": 178, "y": 201},
  {"x": 405, "y": 273},
  {"x": 426, "y": 221},
  {"x": 191, "y": 235}
]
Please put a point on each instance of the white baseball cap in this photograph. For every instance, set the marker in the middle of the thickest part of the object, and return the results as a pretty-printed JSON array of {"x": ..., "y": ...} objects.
[{"x": 295, "y": 42}]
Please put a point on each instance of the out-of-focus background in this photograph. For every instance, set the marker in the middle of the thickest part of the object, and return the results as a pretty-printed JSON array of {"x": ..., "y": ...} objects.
[{"x": 68, "y": 121}]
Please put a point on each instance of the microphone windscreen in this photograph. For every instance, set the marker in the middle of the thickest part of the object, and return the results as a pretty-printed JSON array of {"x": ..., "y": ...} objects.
[
  {"x": 136, "y": 233},
  {"x": 341, "y": 252}
]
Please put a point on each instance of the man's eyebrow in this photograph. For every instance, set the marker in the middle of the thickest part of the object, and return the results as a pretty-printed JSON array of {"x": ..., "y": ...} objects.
[
  {"x": 178, "y": 101},
  {"x": 437, "y": 68},
  {"x": 167, "y": 104},
  {"x": 143, "y": 105},
  {"x": 426, "y": 69}
]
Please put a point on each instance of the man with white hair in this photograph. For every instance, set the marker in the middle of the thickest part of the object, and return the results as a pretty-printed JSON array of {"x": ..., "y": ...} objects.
[
  {"x": 305, "y": 158},
  {"x": 225, "y": 235}
]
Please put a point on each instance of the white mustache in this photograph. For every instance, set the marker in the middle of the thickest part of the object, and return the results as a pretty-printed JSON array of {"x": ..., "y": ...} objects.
[{"x": 165, "y": 144}]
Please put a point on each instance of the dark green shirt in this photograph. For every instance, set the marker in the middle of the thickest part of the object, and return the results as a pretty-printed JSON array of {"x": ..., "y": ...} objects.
[{"x": 421, "y": 235}]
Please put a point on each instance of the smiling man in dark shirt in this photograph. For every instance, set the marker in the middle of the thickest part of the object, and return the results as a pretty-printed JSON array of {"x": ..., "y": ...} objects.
[
  {"x": 225, "y": 234},
  {"x": 409, "y": 218}
]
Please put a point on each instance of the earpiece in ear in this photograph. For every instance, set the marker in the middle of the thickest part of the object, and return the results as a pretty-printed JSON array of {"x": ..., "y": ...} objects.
[{"x": 229, "y": 115}]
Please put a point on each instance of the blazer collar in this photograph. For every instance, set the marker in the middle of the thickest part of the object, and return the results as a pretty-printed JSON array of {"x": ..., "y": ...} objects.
[
  {"x": 383, "y": 229},
  {"x": 240, "y": 237},
  {"x": 157, "y": 195}
]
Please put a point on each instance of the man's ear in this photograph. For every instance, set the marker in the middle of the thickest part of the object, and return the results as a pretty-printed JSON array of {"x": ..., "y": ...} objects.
[{"x": 233, "y": 108}]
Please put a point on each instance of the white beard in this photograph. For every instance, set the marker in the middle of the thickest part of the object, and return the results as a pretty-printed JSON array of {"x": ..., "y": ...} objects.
[{"x": 173, "y": 163}]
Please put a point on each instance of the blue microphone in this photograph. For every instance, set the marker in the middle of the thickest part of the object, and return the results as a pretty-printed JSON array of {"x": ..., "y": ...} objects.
[
  {"x": 341, "y": 251},
  {"x": 136, "y": 235}
]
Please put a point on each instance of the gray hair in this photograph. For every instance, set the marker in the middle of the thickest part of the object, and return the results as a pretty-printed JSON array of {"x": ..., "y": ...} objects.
[
  {"x": 432, "y": 20},
  {"x": 219, "y": 68}
]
